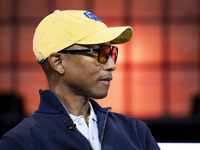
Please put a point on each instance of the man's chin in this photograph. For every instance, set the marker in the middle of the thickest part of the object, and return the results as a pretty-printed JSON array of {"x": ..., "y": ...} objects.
[{"x": 99, "y": 96}]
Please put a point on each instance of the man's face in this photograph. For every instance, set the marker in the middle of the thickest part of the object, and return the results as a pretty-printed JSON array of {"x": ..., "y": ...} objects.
[{"x": 84, "y": 75}]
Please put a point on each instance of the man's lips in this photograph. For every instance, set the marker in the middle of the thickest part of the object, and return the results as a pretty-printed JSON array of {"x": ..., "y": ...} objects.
[{"x": 106, "y": 80}]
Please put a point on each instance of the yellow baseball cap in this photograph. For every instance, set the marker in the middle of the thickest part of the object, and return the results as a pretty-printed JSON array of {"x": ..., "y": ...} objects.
[{"x": 62, "y": 29}]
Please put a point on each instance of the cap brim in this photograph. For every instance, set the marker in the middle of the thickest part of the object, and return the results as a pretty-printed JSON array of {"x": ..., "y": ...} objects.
[{"x": 115, "y": 35}]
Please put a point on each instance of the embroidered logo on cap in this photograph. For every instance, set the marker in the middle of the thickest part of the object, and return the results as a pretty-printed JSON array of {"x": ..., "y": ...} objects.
[{"x": 92, "y": 16}]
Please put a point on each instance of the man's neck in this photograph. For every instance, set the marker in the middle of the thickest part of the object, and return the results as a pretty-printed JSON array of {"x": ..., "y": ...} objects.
[{"x": 75, "y": 105}]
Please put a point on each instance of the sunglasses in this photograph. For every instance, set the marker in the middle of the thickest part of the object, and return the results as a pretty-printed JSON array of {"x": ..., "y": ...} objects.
[{"x": 104, "y": 52}]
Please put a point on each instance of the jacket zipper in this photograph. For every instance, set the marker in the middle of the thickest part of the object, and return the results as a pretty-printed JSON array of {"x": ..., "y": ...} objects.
[
  {"x": 85, "y": 138},
  {"x": 77, "y": 129},
  {"x": 104, "y": 127},
  {"x": 102, "y": 131}
]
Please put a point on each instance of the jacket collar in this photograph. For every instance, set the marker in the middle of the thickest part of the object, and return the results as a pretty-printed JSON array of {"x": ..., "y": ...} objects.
[{"x": 50, "y": 104}]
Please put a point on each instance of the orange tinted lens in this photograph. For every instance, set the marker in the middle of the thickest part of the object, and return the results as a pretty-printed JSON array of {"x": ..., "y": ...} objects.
[
  {"x": 104, "y": 54},
  {"x": 114, "y": 54}
]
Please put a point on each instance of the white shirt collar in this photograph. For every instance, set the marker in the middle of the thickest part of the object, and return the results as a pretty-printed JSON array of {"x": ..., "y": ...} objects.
[{"x": 92, "y": 114}]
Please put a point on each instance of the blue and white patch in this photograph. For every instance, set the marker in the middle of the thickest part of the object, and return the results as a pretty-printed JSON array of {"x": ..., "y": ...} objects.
[{"x": 91, "y": 16}]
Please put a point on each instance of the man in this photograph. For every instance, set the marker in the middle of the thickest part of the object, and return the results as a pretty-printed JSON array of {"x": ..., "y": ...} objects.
[{"x": 75, "y": 52}]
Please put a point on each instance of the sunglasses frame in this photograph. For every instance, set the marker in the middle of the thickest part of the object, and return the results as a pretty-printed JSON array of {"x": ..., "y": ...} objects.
[{"x": 93, "y": 50}]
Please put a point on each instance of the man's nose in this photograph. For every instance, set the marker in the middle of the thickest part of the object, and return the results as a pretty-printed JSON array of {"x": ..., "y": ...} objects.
[{"x": 110, "y": 64}]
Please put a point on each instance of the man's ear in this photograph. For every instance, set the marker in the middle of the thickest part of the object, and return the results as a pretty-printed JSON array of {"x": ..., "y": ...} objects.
[{"x": 56, "y": 62}]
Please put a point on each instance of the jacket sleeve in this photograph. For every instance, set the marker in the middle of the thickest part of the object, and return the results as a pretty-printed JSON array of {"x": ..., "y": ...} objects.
[{"x": 9, "y": 144}]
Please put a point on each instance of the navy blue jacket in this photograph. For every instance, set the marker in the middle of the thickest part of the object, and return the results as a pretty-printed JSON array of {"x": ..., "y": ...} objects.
[{"x": 50, "y": 128}]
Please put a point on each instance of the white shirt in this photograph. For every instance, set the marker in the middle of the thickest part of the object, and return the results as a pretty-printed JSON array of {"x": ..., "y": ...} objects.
[{"x": 91, "y": 132}]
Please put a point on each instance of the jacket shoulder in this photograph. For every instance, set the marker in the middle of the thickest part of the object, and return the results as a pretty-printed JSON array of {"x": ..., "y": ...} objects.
[
  {"x": 126, "y": 120},
  {"x": 134, "y": 129},
  {"x": 21, "y": 130},
  {"x": 22, "y": 134}
]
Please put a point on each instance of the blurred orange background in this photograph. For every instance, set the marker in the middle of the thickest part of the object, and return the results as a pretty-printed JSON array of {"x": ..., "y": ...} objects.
[{"x": 158, "y": 71}]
